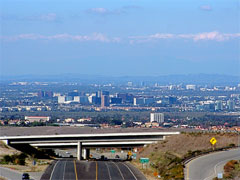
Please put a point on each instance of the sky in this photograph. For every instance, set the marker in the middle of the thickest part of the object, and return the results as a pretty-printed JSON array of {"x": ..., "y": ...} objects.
[{"x": 120, "y": 37}]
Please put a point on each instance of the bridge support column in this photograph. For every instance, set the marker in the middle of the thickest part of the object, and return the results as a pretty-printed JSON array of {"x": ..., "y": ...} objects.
[
  {"x": 79, "y": 151},
  {"x": 86, "y": 153}
]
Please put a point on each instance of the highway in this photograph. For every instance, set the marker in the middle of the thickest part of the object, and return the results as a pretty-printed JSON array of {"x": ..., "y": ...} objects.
[
  {"x": 71, "y": 169},
  {"x": 10, "y": 174},
  {"x": 207, "y": 167}
]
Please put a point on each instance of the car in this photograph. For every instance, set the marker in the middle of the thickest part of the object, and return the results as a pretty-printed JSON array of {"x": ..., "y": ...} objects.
[
  {"x": 25, "y": 176},
  {"x": 117, "y": 156}
]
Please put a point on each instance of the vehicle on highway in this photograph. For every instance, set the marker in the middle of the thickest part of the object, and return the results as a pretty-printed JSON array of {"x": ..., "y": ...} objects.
[{"x": 25, "y": 176}]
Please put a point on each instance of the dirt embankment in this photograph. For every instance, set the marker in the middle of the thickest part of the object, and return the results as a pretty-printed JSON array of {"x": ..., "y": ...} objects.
[
  {"x": 6, "y": 150},
  {"x": 185, "y": 142}
]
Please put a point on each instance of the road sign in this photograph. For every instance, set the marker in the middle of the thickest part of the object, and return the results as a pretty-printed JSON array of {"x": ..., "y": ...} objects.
[
  {"x": 134, "y": 155},
  {"x": 144, "y": 160},
  {"x": 213, "y": 141},
  {"x": 220, "y": 175},
  {"x": 129, "y": 153}
]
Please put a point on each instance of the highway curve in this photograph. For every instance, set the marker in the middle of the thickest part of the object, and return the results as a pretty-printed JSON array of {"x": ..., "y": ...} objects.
[
  {"x": 70, "y": 169},
  {"x": 207, "y": 167}
]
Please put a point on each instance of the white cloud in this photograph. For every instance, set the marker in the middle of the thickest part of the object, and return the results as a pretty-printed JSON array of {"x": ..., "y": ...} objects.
[
  {"x": 63, "y": 37},
  {"x": 205, "y": 36},
  {"x": 48, "y": 17},
  {"x": 206, "y": 8},
  {"x": 99, "y": 10},
  {"x": 104, "y": 11}
]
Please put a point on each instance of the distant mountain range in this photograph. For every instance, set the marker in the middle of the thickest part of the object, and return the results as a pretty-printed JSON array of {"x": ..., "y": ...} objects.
[{"x": 201, "y": 79}]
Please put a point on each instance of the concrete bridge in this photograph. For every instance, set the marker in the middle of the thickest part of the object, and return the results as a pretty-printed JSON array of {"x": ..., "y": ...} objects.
[{"x": 83, "y": 142}]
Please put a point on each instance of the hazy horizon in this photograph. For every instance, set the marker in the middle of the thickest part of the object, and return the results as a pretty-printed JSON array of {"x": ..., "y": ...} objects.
[{"x": 120, "y": 38}]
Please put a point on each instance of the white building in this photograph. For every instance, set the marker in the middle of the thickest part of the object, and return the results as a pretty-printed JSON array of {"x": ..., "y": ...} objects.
[
  {"x": 230, "y": 105},
  {"x": 76, "y": 99},
  {"x": 138, "y": 101},
  {"x": 61, "y": 99},
  {"x": 191, "y": 87},
  {"x": 37, "y": 118},
  {"x": 157, "y": 117}
]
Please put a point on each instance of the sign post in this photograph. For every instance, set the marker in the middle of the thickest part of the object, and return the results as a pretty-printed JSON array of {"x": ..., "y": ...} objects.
[
  {"x": 213, "y": 141},
  {"x": 144, "y": 161}
]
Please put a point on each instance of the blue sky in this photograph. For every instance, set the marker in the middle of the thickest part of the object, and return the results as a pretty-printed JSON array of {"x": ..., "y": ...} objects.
[{"x": 120, "y": 37}]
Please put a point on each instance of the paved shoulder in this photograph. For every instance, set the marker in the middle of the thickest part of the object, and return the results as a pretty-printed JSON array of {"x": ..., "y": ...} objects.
[
  {"x": 10, "y": 174},
  {"x": 208, "y": 166}
]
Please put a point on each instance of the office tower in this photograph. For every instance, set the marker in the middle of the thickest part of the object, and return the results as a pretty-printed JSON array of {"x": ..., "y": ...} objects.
[
  {"x": 115, "y": 100},
  {"x": 41, "y": 94},
  {"x": 230, "y": 105},
  {"x": 157, "y": 117},
  {"x": 61, "y": 99},
  {"x": 104, "y": 101},
  {"x": 218, "y": 106}
]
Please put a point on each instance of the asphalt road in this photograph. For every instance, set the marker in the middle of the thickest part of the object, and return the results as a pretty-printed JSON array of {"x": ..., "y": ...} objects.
[
  {"x": 69, "y": 169},
  {"x": 207, "y": 167},
  {"x": 10, "y": 174}
]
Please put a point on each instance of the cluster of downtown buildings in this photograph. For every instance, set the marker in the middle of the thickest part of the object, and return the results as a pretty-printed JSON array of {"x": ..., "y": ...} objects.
[{"x": 169, "y": 98}]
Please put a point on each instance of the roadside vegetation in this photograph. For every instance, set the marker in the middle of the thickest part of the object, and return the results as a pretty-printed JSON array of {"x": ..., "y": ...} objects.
[
  {"x": 167, "y": 158},
  {"x": 231, "y": 171},
  {"x": 17, "y": 160}
]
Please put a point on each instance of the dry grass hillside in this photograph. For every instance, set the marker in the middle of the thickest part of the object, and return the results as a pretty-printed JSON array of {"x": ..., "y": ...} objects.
[
  {"x": 183, "y": 143},
  {"x": 6, "y": 150},
  {"x": 28, "y": 167},
  {"x": 167, "y": 156}
]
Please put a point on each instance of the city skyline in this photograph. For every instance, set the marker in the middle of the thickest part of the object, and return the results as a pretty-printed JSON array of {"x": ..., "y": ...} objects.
[{"x": 135, "y": 38}]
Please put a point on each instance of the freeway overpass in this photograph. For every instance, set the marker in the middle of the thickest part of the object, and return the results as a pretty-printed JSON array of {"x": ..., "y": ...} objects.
[{"x": 84, "y": 141}]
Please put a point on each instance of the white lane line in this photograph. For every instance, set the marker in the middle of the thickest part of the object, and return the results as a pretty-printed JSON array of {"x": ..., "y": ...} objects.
[
  {"x": 129, "y": 164},
  {"x": 108, "y": 171},
  {"x": 64, "y": 169},
  {"x": 53, "y": 170},
  {"x": 215, "y": 167},
  {"x": 118, "y": 170},
  {"x": 130, "y": 170}
]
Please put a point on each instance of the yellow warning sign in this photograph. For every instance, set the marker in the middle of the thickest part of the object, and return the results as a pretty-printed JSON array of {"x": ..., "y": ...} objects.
[
  {"x": 213, "y": 141},
  {"x": 129, "y": 153}
]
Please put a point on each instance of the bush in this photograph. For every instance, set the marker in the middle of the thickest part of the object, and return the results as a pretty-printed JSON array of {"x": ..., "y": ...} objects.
[
  {"x": 232, "y": 145},
  {"x": 15, "y": 159}
]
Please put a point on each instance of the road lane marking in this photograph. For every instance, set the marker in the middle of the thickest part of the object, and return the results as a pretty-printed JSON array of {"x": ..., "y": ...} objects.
[
  {"x": 54, "y": 169},
  {"x": 118, "y": 170},
  {"x": 215, "y": 167},
  {"x": 129, "y": 170},
  {"x": 129, "y": 164},
  {"x": 96, "y": 170},
  {"x": 75, "y": 170},
  {"x": 188, "y": 166},
  {"x": 64, "y": 169},
  {"x": 108, "y": 171}
]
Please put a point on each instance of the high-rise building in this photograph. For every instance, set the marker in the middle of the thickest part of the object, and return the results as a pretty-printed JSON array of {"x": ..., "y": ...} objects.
[
  {"x": 104, "y": 101},
  {"x": 157, "y": 117},
  {"x": 48, "y": 94},
  {"x": 115, "y": 100},
  {"x": 61, "y": 99},
  {"x": 41, "y": 94},
  {"x": 76, "y": 99},
  {"x": 230, "y": 105},
  {"x": 138, "y": 101},
  {"x": 218, "y": 106}
]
